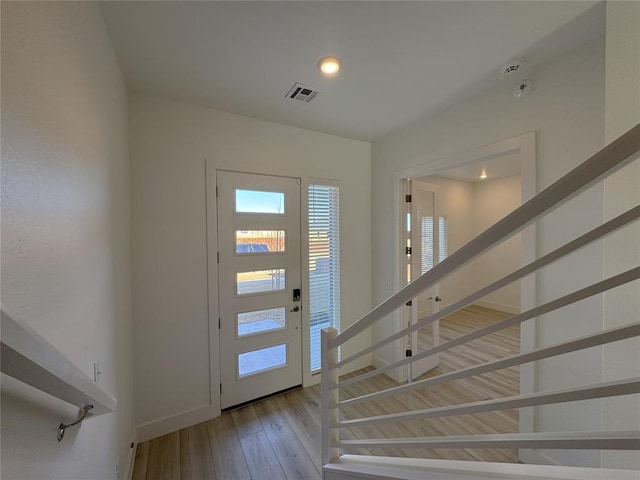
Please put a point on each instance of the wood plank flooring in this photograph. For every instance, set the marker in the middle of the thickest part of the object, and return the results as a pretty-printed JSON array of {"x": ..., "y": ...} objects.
[{"x": 279, "y": 438}]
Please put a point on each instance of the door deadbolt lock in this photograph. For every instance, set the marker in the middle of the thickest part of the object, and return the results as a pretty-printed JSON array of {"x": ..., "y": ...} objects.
[
  {"x": 295, "y": 309},
  {"x": 296, "y": 294}
]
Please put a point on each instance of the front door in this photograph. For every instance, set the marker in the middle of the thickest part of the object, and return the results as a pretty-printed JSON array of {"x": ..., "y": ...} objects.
[{"x": 259, "y": 285}]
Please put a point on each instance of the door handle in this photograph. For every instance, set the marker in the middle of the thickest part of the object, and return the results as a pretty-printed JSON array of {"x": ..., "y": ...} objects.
[
  {"x": 437, "y": 299},
  {"x": 295, "y": 309}
]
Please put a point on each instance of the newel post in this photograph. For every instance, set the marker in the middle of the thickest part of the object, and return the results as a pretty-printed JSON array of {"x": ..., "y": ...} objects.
[{"x": 329, "y": 415}]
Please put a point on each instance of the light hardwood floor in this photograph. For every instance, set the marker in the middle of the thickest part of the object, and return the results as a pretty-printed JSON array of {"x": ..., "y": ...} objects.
[{"x": 279, "y": 438}]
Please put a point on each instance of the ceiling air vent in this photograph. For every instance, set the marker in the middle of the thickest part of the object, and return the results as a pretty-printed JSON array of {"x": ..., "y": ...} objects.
[{"x": 302, "y": 92}]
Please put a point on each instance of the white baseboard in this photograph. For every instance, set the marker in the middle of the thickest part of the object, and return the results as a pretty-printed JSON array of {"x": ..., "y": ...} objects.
[
  {"x": 498, "y": 306},
  {"x": 534, "y": 457},
  {"x": 157, "y": 428},
  {"x": 395, "y": 374}
]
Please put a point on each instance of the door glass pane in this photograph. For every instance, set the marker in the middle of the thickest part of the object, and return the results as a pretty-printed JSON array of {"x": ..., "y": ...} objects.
[
  {"x": 255, "y": 201},
  {"x": 260, "y": 281},
  {"x": 260, "y": 321},
  {"x": 260, "y": 360},
  {"x": 260, "y": 241}
]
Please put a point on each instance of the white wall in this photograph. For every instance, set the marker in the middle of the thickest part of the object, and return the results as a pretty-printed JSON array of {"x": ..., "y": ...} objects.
[
  {"x": 65, "y": 231},
  {"x": 621, "y": 192},
  {"x": 169, "y": 144},
  {"x": 454, "y": 199},
  {"x": 471, "y": 208},
  {"x": 567, "y": 112},
  {"x": 493, "y": 200}
]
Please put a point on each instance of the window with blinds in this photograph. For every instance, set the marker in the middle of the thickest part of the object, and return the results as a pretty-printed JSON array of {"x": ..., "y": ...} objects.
[
  {"x": 443, "y": 251},
  {"x": 428, "y": 242},
  {"x": 324, "y": 263}
]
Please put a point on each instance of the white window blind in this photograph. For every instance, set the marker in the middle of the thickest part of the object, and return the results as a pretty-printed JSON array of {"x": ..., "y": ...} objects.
[
  {"x": 443, "y": 241},
  {"x": 426, "y": 230},
  {"x": 324, "y": 263},
  {"x": 428, "y": 241}
]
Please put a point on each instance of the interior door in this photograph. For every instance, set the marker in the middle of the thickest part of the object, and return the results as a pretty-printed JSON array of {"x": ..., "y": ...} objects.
[
  {"x": 424, "y": 256},
  {"x": 259, "y": 285}
]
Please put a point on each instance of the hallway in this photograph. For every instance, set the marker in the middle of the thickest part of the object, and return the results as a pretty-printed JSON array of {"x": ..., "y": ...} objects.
[{"x": 279, "y": 437}]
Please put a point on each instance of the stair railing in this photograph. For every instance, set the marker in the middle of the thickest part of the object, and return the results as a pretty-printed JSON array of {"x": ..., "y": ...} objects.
[{"x": 610, "y": 159}]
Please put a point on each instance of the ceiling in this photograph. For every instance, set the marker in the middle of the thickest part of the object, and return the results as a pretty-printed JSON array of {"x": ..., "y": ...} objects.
[
  {"x": 495, "y": 168},
  {"x": 402, "y": 61}
]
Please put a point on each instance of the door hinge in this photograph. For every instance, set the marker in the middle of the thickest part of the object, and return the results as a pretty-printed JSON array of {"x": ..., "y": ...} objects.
[
  {"x": 409, "y": 353},
  {"x": 221, "y": 388},
  {"x": 216, "y": 191},
  {"x": 218, "y": 257},
  {"x": 219, "y": 323},
  {"x": 409, "y": 303},
  {"x": 407, "y": 198},
  {"x": 407, "y": 250}
]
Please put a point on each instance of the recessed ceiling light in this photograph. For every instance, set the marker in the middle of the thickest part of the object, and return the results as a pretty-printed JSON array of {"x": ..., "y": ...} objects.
[
  {"x": 483, "y": 175},
  {"x": 329, "y": 66}
]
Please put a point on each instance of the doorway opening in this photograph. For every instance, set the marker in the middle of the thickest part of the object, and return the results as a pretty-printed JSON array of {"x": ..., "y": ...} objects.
[{"x": 464, "y": 204}]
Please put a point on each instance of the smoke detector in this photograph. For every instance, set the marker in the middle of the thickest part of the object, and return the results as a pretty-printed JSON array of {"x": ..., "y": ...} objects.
[
  {"x": 511, "y": 67},
  {"x": 302, "y": 92},
  {"x": 522, "y": 89}
]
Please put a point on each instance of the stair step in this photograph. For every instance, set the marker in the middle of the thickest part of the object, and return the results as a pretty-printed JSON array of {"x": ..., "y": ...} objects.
[{"x": 358, "y": 467}]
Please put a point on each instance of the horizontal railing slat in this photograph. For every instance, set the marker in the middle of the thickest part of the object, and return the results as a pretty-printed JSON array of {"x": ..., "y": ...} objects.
[
  {"x": 612, "y": 440},
  {"x": 588, "y": 341},
  {"x": 611, "y": 158},
  {"x": 601, "y": 390},
  {"x": 570, "y": 247},
  {"x": 596, "y": 288}
]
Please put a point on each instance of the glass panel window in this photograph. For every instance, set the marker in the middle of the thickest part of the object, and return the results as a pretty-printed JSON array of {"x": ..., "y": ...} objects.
[
  {"x": 260, "y": 281},
  {"x": 426, "y": 261},
  {"x": 255, "y": 201},
  {"x": 324, "y": 264},
  {"x": 428, "y": 242},
  {"x": 256, "y": 361},
  {"x": 260, "y": 241},
  {"x": 443, "y": 240},
  {"x": 260, "y": 321}
]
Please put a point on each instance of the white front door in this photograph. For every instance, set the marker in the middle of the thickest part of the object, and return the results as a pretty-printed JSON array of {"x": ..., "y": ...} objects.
[{"x": 259, "y": 285}]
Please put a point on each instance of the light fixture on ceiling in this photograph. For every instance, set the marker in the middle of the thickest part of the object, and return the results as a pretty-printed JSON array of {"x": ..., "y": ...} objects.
[
  {"x": 329, "y": 66},
  {"x": 522, "y": 89},
  {"x": 483, "y": 175}
]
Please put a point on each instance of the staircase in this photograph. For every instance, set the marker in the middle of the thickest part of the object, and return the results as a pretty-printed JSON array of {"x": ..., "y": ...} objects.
[{"x": 338, "y": 460}]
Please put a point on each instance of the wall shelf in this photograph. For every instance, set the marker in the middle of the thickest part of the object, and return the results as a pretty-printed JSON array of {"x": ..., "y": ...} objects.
[{"x": 28, "y": 357}]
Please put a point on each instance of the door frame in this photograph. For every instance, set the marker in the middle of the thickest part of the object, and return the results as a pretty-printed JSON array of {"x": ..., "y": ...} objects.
[
  {"x": 210, "y": 172},
  {"x": 432, "y": 361},
  {"x": 525, "y": 146}
]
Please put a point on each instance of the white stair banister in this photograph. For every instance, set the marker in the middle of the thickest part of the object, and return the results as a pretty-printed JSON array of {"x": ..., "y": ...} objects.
[{"x": 337, "y": 413}]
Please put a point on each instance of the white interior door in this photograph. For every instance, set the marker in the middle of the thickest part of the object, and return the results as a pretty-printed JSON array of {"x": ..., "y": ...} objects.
[
  {"x": 259, "y": 285},
  {"x": 424, "y": 256}
]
